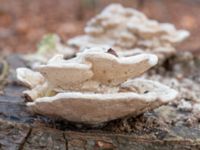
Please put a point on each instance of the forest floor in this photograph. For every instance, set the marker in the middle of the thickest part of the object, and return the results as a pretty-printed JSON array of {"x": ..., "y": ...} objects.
[{"x": 24, "y": 22}]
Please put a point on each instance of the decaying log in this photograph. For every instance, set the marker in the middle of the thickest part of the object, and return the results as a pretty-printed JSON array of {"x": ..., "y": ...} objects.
[
  {"x": 20, "y": 136},
  {"x": 12, "y": 135},
  {"x": 21, "y": 130},
  {"x": 45, "y": 138}
]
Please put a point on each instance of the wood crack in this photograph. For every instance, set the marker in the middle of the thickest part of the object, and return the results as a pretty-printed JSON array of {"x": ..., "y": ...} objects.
[{"x": 25, "y": 139}]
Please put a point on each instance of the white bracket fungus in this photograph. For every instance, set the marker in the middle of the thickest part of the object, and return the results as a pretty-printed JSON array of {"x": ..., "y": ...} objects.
[
  {"x": 126, "y": 29},
  {"x": 29, "y": 78},
  {"x": 96, "y": 86}
]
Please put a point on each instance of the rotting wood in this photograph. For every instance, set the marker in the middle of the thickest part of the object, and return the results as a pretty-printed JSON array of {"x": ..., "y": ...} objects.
[
  {"x": 45, "y": 138},
  {"x": 37, "y": 132},
  {"x": 12, "y": 135}
]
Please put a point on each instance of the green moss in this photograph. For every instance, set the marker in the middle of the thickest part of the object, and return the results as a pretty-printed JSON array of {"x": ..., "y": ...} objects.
[{"x": 47, "y": 44}]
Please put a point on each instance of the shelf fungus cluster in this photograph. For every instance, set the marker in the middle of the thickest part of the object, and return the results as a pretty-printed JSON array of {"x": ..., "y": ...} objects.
[
  {"x": 129, "y": 31},
  {"x": 126, "y": 30},
  {"x": 94, "y": 87}
]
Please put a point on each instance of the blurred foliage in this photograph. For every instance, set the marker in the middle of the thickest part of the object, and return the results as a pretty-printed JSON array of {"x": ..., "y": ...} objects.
[
  {"x": 90, "y": 3},
  {"x": 47, "y": 44}
]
